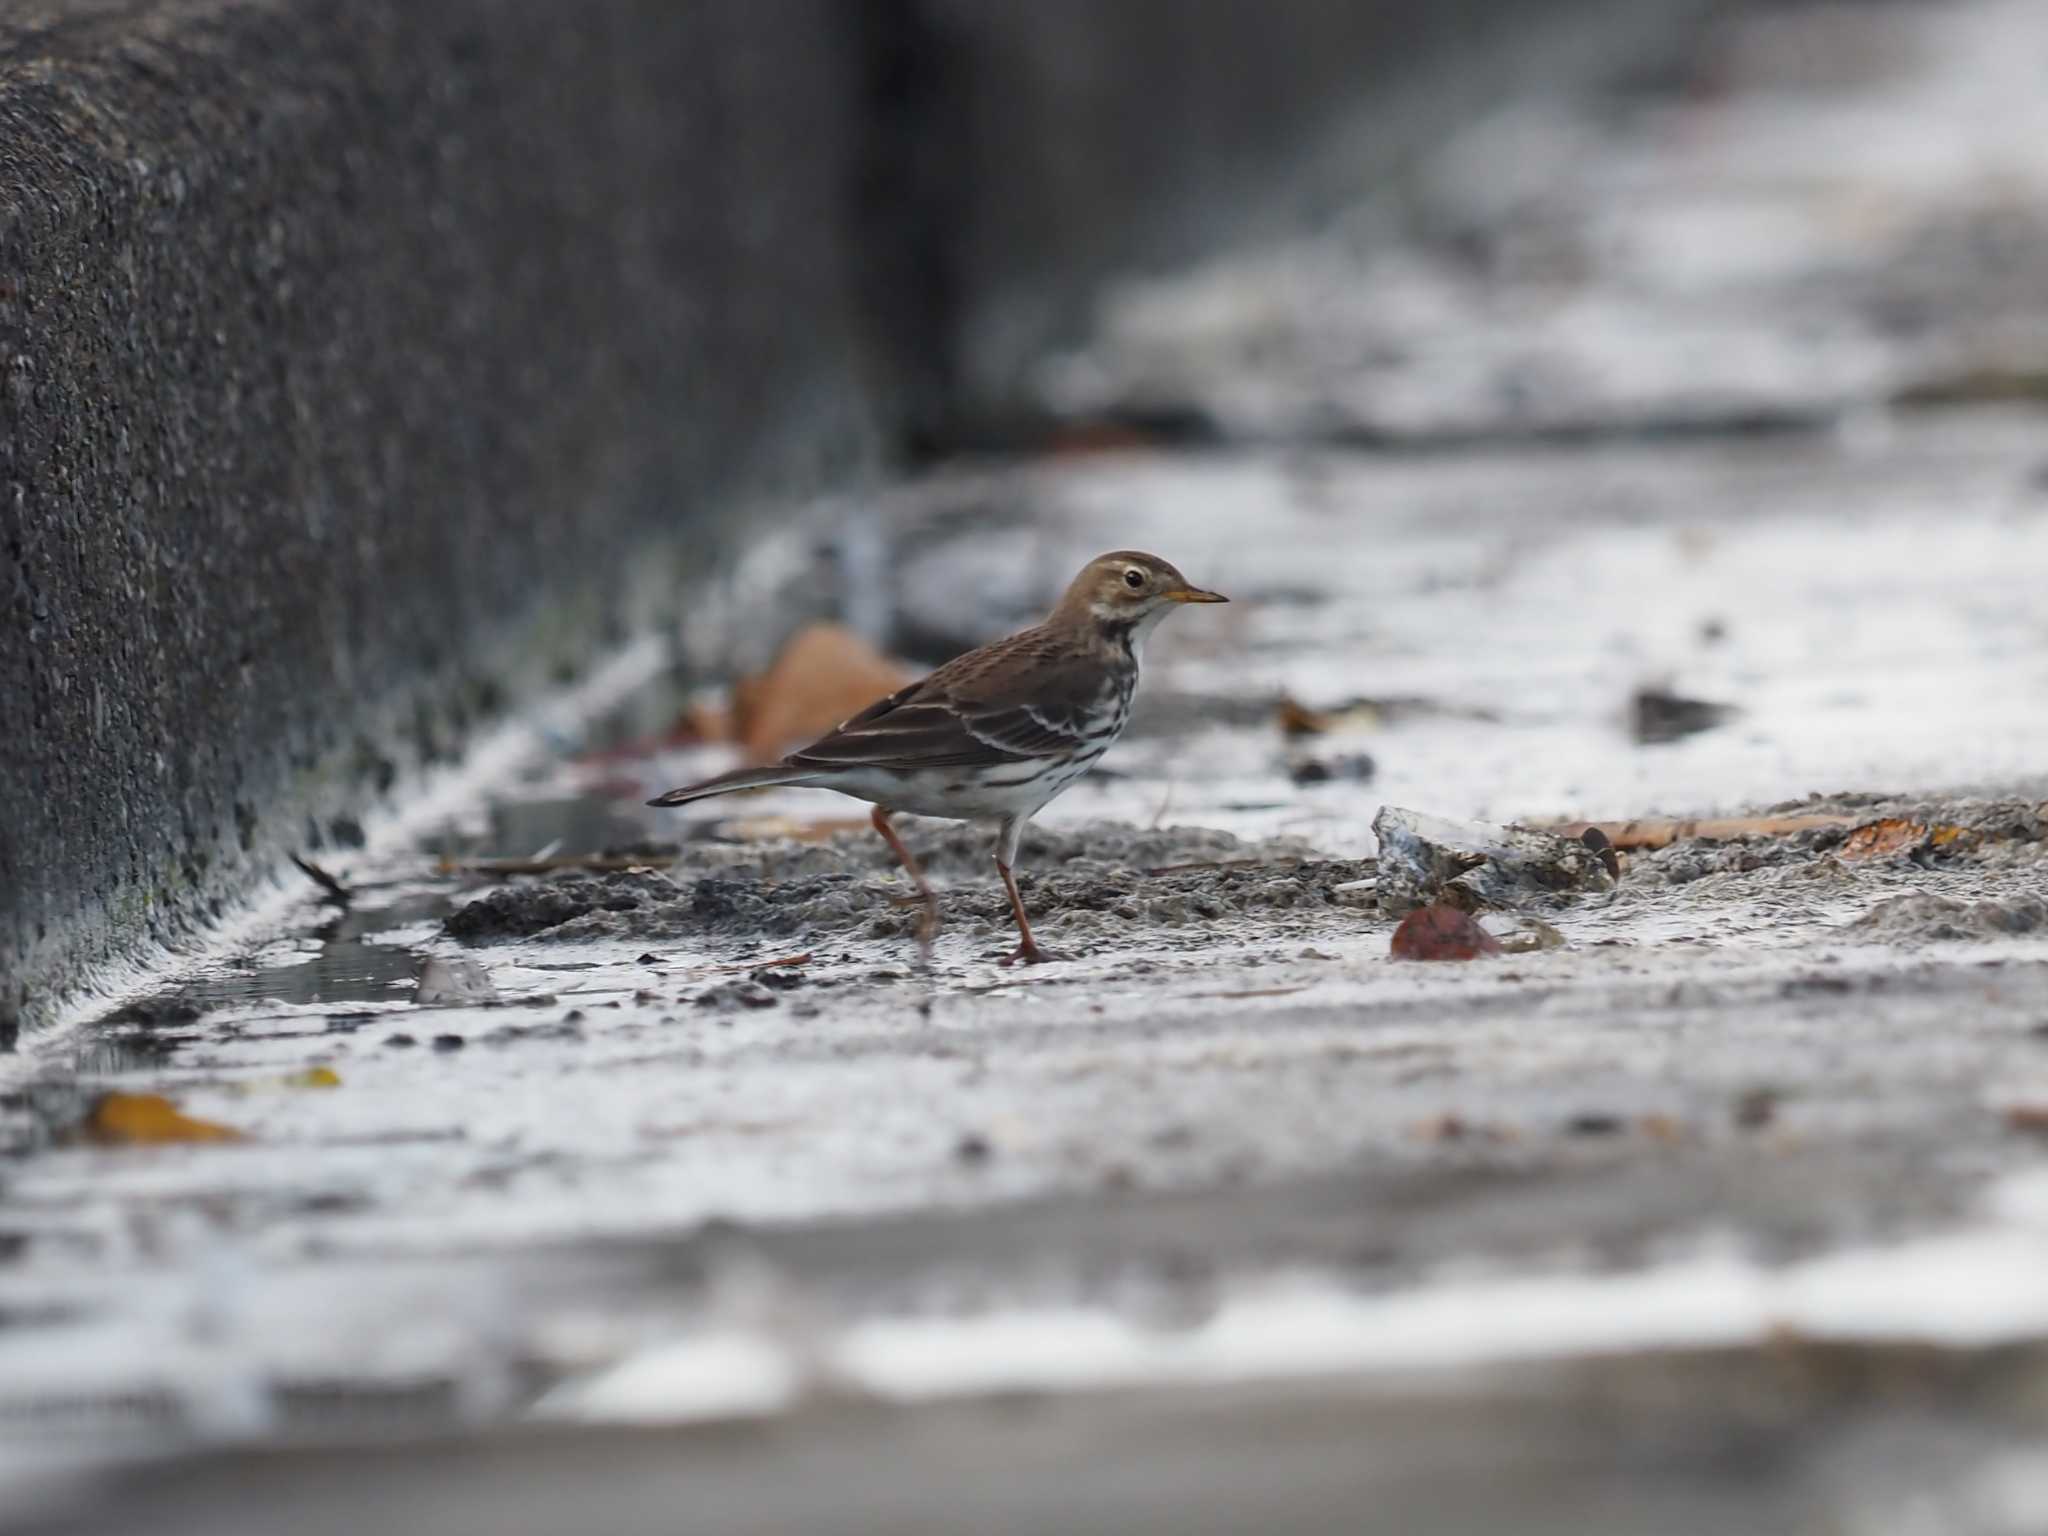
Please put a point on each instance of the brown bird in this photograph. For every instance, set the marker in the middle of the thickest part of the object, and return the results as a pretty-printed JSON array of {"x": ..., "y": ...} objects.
[{"x": 996, "y": 733}]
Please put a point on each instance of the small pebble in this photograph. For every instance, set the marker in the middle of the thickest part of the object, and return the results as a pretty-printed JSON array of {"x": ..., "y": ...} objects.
[
  {"x": 1756, "y": 1108},
  {"x": 448, "y": 1042}
]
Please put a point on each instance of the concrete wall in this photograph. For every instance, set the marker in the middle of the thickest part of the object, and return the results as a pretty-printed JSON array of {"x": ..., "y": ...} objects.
[
  {"x": 342, "y": 344},
  {"x": 365, "y": 364}
]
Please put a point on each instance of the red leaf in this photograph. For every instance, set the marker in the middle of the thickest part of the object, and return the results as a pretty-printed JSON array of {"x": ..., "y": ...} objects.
[{"x": 1442, "y": 932}]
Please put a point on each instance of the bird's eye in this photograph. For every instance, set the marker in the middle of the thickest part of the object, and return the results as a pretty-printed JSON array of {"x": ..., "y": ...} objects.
[{"x": 1134, "y": 578}]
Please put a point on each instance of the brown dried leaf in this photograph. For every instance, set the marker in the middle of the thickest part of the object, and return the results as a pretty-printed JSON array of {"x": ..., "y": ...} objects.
[
  {"x": 147, "y": 1119},
  {"x": 1452, "y": 1126},
  {"x": 1877, "y": 839},
  {"x": 763, "y": 829},
  {"x": 2029, "y": 1119},
  {"x": 824, "y": 674},
  {"x": 702, "y": 721},
  {"x": 1297, "y": 719},
  {"x": 1441, "y": 932}
]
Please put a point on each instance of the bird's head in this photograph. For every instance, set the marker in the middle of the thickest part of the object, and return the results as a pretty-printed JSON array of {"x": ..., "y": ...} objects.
[{"x": 1128, "y": 589}]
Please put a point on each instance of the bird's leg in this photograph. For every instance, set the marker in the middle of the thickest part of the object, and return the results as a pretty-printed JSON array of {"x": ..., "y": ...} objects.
[
  {"x": 1028, "y": 949},
  {"x": 928, "y": 925}
]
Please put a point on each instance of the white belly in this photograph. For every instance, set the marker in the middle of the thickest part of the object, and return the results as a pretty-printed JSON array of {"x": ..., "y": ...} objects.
[{"x": 961, "y": 796}]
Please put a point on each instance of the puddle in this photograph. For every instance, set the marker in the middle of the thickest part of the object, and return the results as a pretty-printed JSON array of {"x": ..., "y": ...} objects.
[{"x": 346, "y": 967}]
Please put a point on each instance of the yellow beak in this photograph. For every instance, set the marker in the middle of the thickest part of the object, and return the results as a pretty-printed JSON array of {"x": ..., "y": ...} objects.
[{"x": 1194, "y": 595}]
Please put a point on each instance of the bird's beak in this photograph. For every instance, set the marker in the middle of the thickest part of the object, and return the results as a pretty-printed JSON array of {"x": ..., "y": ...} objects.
[{"x": 1195, "y": 595}]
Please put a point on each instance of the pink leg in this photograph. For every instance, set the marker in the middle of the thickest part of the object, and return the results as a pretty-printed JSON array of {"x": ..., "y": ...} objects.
[
  {"x": 1028, "y": 949},
  {"x": 928, "y": 925}
]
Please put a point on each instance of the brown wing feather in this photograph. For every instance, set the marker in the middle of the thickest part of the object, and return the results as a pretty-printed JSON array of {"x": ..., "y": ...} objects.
[{"x": 1030, "y": 696}]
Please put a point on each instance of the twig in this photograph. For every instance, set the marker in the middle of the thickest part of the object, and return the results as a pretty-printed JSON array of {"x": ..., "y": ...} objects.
[
  {"x": 336, "y": 891},
  {"x": 762, "y": 965}
]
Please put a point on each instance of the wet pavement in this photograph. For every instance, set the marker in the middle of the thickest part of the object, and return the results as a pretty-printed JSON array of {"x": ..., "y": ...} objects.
[{"x": 674, "y": 1172}]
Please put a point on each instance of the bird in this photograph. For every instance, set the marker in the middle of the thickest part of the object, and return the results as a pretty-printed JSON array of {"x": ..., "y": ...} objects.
[{"x": 996, "y": 733}]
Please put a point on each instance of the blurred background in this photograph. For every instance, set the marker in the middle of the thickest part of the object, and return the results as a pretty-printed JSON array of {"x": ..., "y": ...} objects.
[{"x": 431, "y": 431}]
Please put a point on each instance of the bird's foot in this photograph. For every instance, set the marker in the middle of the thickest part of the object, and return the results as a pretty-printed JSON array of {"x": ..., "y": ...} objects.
[{"x": 1032, "y": 953}]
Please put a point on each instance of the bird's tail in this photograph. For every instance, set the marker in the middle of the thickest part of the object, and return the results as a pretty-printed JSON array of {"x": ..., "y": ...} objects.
[{"x": 739, "y": 778}]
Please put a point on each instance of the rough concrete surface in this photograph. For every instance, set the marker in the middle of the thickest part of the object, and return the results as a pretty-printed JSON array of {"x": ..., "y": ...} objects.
[
  {"x": 640, "y": 1169},
  {"x": 723, "y": 1146}
]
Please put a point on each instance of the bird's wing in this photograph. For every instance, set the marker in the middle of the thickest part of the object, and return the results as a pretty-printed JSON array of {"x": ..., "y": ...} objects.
[{"x": 1007, "y": 703}]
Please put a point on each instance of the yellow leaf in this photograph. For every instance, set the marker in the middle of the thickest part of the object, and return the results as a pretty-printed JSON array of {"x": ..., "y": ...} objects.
[
  {"x": 312, "y": 1077},
  {"x": 141, "y": 1119}
]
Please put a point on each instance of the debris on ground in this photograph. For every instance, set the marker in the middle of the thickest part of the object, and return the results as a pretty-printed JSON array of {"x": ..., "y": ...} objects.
[
  {"x": 1106, "y": 880},
  {"x": 1895, "y": 835},
  {"x": 522, "y": 910},
  {"x": 337, "y": 892},
  {"x": 1357, "y": 767},
  {"x": 1520, "y": 934},
  {"x": 768, "y": 829},
  {"x": 823, "y": 674},
  {"x": 1441, "y": 932},
  {"x": 445, "y": 981},
  {"x": 1661, "y": 832},
  {"x": 1298, "y": 721},
  {"x": 1425, "y": 859},
  {"x": 736, "y": 994},
  {"x": 2028, "y": 1119},
  {"x": 1657, "y": 715},
  {"x": 157, "y": 1012},
  {"x": 146, "y": 1119},
  {"x": 1756, "y": 1108},
  {"x": 291, "y": 1082}
]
